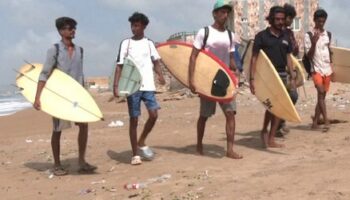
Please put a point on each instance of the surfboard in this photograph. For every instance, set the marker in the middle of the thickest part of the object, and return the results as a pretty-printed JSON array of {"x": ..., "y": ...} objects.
[
  {"x": 247, "y": 55},
  {"x": 341, "y": 64},
  {"x": 130, "y": 78},
  {"x": 62, "y": 97},
  {"x": 212, "y": 78},
  {"x": 271, "y": 92}
]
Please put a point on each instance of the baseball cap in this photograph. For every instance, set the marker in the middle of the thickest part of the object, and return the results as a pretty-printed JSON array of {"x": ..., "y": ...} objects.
[{"x": 221, "y": 4}]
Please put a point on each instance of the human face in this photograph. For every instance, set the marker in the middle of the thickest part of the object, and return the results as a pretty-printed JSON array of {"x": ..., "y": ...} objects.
[
  {"x": 221, "y": 15},
  {"x": 137, "y": 28},
  {"x": 279, "y": 21},
  {"x": 320, "y": 22},
  {"x": 289, "y": 21},
  {"x": 68, "y": 31}
]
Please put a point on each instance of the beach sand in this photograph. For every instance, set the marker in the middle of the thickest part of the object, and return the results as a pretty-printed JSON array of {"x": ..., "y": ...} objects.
[{"x": 313, "y": 165}]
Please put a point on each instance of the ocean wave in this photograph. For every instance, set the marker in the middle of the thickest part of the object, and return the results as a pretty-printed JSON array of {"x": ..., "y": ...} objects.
[{"x": 11, "y": 107}]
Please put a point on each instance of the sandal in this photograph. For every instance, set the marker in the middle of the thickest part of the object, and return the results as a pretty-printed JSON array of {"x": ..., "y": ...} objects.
[
  {"x": 87, "y": 168},
  {"x": 59, "y": 171},
  {"x": 136, "y": 160}
]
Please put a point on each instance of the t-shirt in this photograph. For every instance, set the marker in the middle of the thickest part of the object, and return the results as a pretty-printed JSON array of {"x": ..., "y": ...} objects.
[
  {"x": 275, "y": 47},
  {"x": 218, "y": 43},
  {"x": 321, "y": 60},
  {"x": 143, "y": 53}
]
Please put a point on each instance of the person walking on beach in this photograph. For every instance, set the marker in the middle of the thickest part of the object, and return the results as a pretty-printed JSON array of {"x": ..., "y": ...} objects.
[
  {"x": 143, "y": 51},
  {"x": 219, "y": 42},
  {"x": 290, "y": 15},
  {"x": 277, "y": 46},
  {"x": 317, "y": 48},
  {"x": 68, "y": 57}
]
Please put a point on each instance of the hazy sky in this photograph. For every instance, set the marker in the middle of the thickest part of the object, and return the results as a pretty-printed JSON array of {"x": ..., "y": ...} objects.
[{"x": 28, "y": 28}]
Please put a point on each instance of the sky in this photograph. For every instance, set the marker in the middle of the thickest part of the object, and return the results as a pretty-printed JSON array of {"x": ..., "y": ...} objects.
[{"x": 28, "y": 27}]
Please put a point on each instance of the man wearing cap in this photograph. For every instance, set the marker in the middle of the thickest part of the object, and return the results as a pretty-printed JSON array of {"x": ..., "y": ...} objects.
[{"x": 219, "y": 42}]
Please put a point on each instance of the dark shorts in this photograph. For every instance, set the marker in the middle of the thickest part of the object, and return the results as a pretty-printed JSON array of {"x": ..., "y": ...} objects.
[
  {"x": 134, "y": 102},
  {"x": 208, "y": 108},
  {"x": 293, "y": 94}
]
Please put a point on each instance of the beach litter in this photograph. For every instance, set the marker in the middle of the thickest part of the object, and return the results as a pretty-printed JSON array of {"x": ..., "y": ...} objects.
[
  {"x": 140, "y": 185},
  {"x": 116, "y": 123}
]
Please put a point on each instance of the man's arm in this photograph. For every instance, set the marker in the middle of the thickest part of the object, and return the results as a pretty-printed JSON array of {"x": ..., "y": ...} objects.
[
  {"x": 159, "y": 72},
  {"x": 313, "y": 40},
  {"x": 292, "y": 71},
  {"x": 191, "y": 67},
  {"x": 252, "y": 72},
  {"x": 118, "y": 70}
]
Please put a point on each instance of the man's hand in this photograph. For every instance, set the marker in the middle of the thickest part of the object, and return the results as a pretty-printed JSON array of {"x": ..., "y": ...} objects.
[
  {"x": 161, "y": 80},
  {"x": 252, "y": 87},
  {"x": 37, "y": 104},
  {"x": 192, "y": 87}
]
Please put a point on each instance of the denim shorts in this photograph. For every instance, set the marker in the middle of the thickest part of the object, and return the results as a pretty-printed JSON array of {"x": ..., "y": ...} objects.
[{"x": 134, "y": 102}]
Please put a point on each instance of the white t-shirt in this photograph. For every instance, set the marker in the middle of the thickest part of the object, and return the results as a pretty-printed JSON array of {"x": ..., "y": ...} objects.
[
  {"x": 143, "y": 53},
  {"x": 218, "y": 43},
  {"x": 321, "y": 60}
]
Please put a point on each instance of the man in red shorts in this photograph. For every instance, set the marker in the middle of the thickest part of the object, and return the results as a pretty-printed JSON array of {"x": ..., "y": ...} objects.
[{"x": 317, "y": 48}]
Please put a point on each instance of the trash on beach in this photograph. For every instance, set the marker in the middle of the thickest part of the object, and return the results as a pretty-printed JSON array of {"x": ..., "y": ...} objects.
[
  {"x": 140, "y": 185},
  {"x": 116, "y": 123},
  {"x": 98, "y": 182},
  {"x": 86, "y": 191},
  {"x": 29, "y": 141}
]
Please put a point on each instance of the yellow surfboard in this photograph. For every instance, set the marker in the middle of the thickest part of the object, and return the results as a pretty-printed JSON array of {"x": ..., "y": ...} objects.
[
  {"x": 270, "y": 90},
  {"x": 341, "y": 64},
  {"x": 62, "y": 97},
  {"x": 300, "y": 79},
  {"x": 212, "y": 78}
]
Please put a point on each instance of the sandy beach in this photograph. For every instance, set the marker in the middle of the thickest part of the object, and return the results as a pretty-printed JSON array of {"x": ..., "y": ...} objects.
[{"x": 313, "y": 165}]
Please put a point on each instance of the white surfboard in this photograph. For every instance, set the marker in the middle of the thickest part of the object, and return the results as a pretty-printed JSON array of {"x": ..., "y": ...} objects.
[{"x": 62, "y": 97}]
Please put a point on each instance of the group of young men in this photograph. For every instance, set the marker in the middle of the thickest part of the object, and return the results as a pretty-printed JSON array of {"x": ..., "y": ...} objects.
[{"x": 277, "y": 41}]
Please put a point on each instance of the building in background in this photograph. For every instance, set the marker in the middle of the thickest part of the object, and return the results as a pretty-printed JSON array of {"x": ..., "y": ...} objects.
[{"x": 249, "y": 17}]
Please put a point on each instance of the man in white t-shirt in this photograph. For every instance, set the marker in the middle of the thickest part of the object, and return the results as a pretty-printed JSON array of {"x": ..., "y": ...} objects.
[
  {"x": 220, "y": 43},
  {"x": 318, "y": 51},
  {"x": 146, "y": 57}
]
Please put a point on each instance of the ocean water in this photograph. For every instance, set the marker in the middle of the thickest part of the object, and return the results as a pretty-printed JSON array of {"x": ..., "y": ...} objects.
[{"x": 11, "y": 100}]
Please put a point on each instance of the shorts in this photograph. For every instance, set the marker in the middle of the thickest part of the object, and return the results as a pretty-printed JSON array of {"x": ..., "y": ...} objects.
[
  {"x": 207, "y": 108},
  {"x": 321, "y": 81},
  {"x": 293, "y": 94},
  {"x": 134, "y": 102},
  {"x": 60, "y": 124}
]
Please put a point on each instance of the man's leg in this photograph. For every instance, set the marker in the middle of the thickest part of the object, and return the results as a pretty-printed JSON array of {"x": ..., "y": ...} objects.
[
  {"x": 264, "y": 132},
  {"x": 275, "y": 121},
  {"x": 55, "y": 145},
  {"x": 133, "y": 134},
  {"x": 82, "y": 142},
  {"x": 152, "y": 118},
  {"x": 230, "y": 135},
  {"x": 200, "y": 133}
]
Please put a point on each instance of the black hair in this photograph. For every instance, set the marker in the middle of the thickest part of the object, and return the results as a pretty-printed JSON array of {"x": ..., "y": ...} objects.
[
  {"x": 274, "y": 10},
  {"x": 289, "y": 10},
  {"x": 139, "y": 17},
  {"x": 64, "y": 21},
  {"x": 320, "y": 13}
]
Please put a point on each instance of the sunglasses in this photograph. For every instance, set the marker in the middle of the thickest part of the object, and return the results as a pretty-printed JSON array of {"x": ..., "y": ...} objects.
[{"x": 70, "y": 28}]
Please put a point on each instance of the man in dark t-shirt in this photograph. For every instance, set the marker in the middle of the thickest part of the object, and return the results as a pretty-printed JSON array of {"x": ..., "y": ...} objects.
[{"x": 277, "y": 46}]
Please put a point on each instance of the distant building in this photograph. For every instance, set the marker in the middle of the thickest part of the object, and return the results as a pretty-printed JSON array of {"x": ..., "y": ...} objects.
[
  {"x": 97, "y": 82},
  {"x": 249, "y": 17}
]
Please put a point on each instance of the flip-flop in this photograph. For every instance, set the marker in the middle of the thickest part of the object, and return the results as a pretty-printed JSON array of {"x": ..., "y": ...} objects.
[
  {"x": 59, "y": 171},
  {"x": 136, "y": 160},
  {"x": 87, "y": 168}
]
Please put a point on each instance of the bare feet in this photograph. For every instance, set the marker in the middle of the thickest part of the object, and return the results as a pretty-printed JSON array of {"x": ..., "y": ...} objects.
[
  {"x": 264, "y": 138},
  {"x": 233, "y": 155},
  {"x": 273, "y": 144},
  {"x": 200, "y": 149}
]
